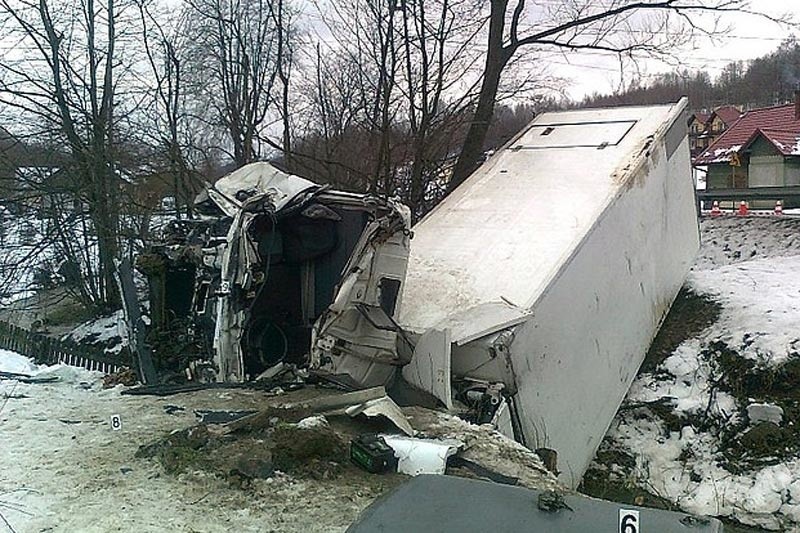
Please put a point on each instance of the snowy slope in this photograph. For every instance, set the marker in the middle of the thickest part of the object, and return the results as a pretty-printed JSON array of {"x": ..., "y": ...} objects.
[
  {"x": 760, "y": 306},
  {"x": 685, "y": 422}
]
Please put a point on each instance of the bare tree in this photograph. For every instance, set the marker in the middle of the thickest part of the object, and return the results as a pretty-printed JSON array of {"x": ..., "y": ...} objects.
[
  {"x": 171, "y": 124},
  {"x": 66, "y": 79},
  {"x": 623, "y": 27},
  {"x": 393, "y": 90},
  {"x": 439, "y": 44},
  {"x": 240, "y": 47},
  {"x": 283, "y": 19}
]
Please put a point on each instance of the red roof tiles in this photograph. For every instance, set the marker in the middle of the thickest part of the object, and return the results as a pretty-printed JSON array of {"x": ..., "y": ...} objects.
[
  {"x": 728, "y": 114},
  {"x": 702, "y": 118},
  {"x": 778, "y": 124}
]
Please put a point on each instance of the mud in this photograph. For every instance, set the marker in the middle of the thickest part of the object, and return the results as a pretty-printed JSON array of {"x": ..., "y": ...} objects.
[
  {"x": 313, "y": 452},
  {"x": 609, "y": 482},
  {"x": 282, "y": 447},
  {"x": 689, "y": 315},
  {"x": 745, "y": 446}
]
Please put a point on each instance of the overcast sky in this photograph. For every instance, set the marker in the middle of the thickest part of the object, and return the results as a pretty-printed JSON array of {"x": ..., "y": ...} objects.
[{"x": 749, "y": 38}]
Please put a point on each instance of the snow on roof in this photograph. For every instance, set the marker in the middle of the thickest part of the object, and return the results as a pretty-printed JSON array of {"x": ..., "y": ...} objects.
[
  {"x": 504, "y": 234},
  {"x": 785, "y": 141},
  {"x": 776, "y": 119}
]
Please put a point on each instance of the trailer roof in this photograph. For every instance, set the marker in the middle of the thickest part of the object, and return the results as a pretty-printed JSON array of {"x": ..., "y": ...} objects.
[{"x": 501, "y": 237}]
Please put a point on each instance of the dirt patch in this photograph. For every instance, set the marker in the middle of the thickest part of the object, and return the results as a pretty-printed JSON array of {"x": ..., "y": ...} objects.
[
  {"x": 607, "y": 478},
  {"x": 689, "y": 315},
  {"x": 745, "y": 379},
  {"x": 126, "y": 376},
  {"x": 745, "y": 446},
  {"x": 281, "y": 447},
  {"x": 179, "y": 450},
  {"x": 313, "y": 452},
  {"x": 728, "y": 240}
]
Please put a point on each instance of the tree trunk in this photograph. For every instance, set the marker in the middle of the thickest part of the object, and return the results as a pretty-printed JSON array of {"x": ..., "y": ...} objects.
[{"x": 496, "y": 58}]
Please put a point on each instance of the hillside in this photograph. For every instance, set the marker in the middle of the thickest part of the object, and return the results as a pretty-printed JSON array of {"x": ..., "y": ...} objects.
[{"x": 767, "y": 80}]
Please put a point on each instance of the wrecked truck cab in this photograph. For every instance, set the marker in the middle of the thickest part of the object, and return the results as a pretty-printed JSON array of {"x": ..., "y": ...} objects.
[{"x": 284, "y": 269}]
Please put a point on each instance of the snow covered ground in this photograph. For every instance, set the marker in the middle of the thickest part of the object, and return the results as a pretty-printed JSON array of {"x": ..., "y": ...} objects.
[
  {"x": 685, "y": 421},
  {"x": 64, "y": 469},
  {"x": 34, "y": 248}
]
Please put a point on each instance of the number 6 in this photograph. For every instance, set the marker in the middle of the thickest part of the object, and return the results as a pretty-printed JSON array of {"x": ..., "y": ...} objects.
[{"x": 628, "y": 521}]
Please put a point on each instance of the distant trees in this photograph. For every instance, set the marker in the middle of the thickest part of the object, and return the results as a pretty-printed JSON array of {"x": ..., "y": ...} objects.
[
  {"x": 765, "y": 81},
  {"x": 241, "y": 57},
  {"x": 389, "y": 91},
  {"x": 389, "y": 102}
]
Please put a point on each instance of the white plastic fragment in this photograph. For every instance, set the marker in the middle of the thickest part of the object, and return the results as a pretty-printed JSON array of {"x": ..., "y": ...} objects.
[
  {"x": 764, "y": 412},
  {"x": 422, "y": 456},
  {"x": 317, "y": 421}
]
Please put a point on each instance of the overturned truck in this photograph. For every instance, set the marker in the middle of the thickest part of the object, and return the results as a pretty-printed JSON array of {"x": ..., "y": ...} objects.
[{"x": 526, "y": 299}]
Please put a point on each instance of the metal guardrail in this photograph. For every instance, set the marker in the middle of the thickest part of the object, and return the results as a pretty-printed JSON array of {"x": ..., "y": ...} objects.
[
  {"x": 49, "y": 350},
  {"x": 752, "y": 193}
]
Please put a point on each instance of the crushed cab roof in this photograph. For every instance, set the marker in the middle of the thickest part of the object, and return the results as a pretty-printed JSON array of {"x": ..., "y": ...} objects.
[{"x": 254, "y": 179}]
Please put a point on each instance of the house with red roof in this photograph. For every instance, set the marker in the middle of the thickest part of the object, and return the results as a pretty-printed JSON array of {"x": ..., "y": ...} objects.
[
  {"x": 705, "y": 128},
  {"x": 761, "y": 149},
  {"x": 697, "y": 125}
]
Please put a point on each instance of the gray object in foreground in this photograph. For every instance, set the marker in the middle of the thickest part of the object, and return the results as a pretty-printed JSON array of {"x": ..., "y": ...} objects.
[
  {"x": 136, "y": 326},
  {"x": 451, "y": 504}
]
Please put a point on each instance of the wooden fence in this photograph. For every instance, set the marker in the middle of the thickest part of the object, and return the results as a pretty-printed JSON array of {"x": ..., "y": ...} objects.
[{"x": 49, "y": 350}]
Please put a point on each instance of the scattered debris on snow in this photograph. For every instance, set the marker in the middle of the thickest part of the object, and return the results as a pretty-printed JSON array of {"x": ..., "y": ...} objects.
[{"x": 293, "y": 473}]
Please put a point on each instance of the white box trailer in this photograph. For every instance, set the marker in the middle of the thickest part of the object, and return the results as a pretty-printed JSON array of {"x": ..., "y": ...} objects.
[{"x": 540, "y": 282}]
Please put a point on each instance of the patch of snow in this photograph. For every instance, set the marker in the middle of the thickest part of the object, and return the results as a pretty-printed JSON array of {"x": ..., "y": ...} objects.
[
  {"x": 109, "y": 330},
  {"x": 13, "y": 362},
  {"x": 699, "y": 485},
  {"x": 65, "y": 469},
  {"x": 749, "y": 266},
  {"x": 689, "y": 388},
  {"x": 317, "y": 421},
  {"x": 16, "y": 364},
  {"x": 721, "y": 155},
  {"x": 760, "y": 306}
]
